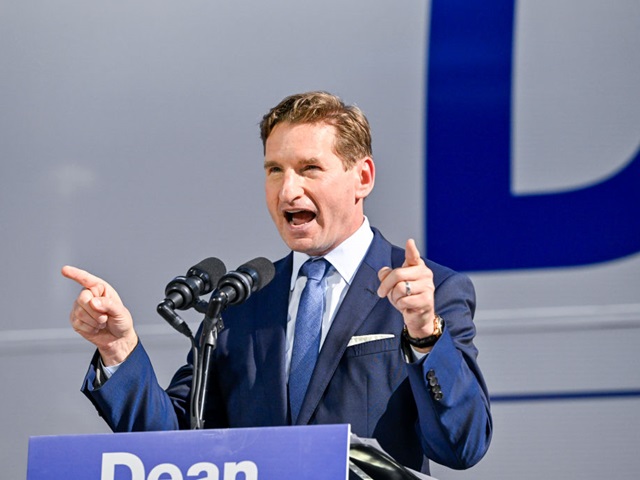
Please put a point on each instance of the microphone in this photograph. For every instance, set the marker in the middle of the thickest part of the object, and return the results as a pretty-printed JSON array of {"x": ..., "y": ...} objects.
[
  {"x": 237, "y": 286},
  {"x": 183, "y": 292}
]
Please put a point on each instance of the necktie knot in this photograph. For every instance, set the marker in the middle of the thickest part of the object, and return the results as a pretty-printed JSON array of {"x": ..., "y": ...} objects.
[{"x": 314, "y": 269}]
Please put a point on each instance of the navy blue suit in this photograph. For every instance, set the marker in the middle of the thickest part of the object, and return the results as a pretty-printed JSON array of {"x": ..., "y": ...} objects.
[{"x": 369, "y": 385}]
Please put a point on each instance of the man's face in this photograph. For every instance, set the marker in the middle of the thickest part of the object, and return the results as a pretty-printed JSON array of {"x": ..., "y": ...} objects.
[{"x": 314, "y": 203}]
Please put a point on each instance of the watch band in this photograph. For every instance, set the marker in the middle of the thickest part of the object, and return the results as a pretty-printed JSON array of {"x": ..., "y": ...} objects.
[{"x": 425, "y": 342}]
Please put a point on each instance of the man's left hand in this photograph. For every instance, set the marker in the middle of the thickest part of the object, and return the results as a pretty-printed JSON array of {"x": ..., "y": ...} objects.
[{"x": 410, "y": 289}]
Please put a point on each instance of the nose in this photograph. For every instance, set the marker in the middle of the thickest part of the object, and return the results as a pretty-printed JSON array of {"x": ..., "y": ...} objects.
[{"x": 291, "y": 187}]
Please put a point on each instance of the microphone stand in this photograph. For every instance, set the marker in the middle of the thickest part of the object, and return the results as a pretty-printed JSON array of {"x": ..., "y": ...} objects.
[
  {"x": 212, "y": 325},
  {"x": 200, "y": 354}
]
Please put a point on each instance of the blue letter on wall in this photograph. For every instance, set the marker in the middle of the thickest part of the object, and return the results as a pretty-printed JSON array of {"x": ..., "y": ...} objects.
[{"x": 474, "y": 222}]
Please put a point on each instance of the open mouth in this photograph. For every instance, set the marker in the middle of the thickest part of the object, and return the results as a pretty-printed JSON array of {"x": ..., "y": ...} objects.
[{"x": 299, "y": 217}]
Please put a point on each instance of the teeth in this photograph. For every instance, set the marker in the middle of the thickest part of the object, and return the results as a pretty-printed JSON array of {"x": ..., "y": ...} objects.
[
  {"x": 299, "y": 217},
  {"x": 291, "y": 213}
]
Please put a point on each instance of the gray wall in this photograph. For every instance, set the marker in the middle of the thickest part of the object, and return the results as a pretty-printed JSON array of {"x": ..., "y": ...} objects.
[{"x": 129, "y": 147}]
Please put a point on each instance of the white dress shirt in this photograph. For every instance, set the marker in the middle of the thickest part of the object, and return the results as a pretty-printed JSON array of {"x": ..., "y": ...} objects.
[{"x": 345, "y": 260}]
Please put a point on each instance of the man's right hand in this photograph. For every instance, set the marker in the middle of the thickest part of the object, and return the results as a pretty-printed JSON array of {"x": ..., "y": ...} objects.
[{"x": 99, "y": 315}]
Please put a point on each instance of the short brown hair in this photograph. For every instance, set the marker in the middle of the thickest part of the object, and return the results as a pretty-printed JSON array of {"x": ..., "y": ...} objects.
[{"x": 353, "y": 134}]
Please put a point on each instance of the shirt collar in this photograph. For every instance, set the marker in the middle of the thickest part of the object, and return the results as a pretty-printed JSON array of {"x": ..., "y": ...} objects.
[{"x": 345, "y": 258}]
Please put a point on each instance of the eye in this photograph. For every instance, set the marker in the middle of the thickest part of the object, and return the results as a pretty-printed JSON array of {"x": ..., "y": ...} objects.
[{"x": 272, "y": 169}]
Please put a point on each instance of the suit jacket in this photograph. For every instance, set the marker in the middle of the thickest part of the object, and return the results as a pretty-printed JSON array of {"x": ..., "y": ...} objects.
[{"x": 435, "y": 409}]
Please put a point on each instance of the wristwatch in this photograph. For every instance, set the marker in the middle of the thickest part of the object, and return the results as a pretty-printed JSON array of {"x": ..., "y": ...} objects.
[{"x": 438, "y": 325}]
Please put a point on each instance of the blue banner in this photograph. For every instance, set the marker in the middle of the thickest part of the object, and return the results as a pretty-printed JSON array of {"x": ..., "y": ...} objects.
[
  {"x": 274, "y": 453},
  {"x": 474, "y": 222}
]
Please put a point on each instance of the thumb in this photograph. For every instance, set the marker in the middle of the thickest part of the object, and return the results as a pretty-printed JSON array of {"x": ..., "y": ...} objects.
[
  {"x": 411, "y": 254},
  {"x": 383, "y": 273},
  {"x": 108, "y": 306}
]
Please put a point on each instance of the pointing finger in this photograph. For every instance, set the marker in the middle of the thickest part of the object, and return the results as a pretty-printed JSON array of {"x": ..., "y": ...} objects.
[{"x": 85, "y": 279}]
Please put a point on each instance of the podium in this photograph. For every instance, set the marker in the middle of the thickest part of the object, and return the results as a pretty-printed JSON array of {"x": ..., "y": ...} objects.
[
  {"x": 319, "y": 452},
  {"x": 269, "y": 453}
]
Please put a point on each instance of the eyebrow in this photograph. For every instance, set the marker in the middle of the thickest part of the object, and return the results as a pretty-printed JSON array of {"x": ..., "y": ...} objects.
[
  {"x": 306, "y": 161},
  {"x": 270, "y": 163}
]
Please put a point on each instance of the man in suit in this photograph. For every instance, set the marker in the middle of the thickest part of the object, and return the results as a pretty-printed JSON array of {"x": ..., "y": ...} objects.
[{"x": 394, "y": 353}]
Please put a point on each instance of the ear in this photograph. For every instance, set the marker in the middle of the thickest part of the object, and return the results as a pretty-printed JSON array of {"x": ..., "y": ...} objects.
[{"x": 365, "y": 170}]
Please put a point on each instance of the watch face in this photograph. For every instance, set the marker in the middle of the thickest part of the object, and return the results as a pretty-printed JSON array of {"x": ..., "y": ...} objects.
[{"x": 439, "y": 325}]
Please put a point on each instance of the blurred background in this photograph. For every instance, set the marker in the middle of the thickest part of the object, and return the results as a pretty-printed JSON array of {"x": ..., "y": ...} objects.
[{"x": 129, "y": 146}]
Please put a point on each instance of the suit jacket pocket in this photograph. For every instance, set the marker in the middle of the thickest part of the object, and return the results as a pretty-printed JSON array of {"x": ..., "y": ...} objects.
[{"x": 372, "y": 347}]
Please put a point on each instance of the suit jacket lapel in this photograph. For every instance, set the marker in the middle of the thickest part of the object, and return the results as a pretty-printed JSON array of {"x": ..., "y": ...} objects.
[
  {"x": 356, "y": 306},
  {"x": 270, "y": 342}
]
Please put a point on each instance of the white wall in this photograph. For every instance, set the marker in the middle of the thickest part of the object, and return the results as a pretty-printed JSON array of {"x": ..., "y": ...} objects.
[{"x": 129, "y": 146}]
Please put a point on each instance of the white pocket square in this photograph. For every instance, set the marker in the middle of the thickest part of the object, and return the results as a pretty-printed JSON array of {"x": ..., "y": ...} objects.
[{"x": 358, "y": 339}]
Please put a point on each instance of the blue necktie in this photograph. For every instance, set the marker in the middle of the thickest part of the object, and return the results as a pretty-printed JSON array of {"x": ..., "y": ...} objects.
[{"x": 306, "y": 341}]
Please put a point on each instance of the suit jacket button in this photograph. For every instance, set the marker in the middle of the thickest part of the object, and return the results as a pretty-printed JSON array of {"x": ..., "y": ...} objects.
[
  {"x": 433, "y": 381},
  {"x": 431, "y": 374},
  {"x": 438, "y": 396}
]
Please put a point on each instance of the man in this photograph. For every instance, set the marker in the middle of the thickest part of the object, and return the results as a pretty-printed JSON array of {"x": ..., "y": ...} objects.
[{"x": 396, "y": 358}]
